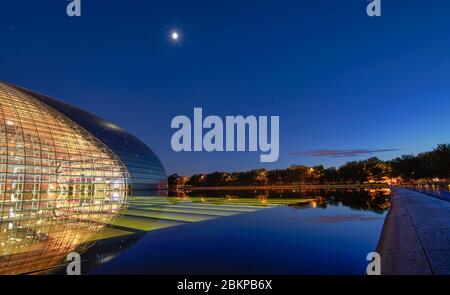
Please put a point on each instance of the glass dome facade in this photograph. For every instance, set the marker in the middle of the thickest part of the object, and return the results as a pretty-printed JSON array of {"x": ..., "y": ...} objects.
[
  {"x": 60, "y": 183},
  {"x": 146, "y": 170}
]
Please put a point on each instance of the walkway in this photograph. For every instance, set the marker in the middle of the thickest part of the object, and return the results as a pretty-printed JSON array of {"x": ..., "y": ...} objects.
[{"x": 416, "y": 235}]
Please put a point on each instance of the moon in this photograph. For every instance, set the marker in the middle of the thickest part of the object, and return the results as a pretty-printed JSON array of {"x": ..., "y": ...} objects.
[{"x": 175, "y": 36}]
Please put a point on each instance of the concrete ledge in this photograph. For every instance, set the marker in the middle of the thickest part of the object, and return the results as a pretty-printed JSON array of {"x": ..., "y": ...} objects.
[{"x": 416, "y": 235}]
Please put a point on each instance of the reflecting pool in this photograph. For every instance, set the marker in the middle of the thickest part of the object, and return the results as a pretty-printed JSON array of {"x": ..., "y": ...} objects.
[
  {"x": 243, "y": 232},
  {"x": 199, "y": 232}
]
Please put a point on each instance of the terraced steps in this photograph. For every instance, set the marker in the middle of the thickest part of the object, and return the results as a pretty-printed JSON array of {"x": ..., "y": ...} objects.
[{"x": 153, "y": 213}]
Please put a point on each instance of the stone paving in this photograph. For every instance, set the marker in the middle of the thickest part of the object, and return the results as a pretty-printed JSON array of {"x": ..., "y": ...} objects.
[{"x": 416, "y": 235}]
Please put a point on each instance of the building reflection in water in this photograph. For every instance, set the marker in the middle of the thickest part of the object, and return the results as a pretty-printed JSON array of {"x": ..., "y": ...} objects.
[
  {"x": 40, "y": 238},
  {"x": 58, "y": 184},
  {"x": 148, "y": 212}
]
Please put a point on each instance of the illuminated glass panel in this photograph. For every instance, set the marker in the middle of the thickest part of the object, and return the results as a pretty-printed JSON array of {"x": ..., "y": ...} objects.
[{"x": 58, "y": 184}]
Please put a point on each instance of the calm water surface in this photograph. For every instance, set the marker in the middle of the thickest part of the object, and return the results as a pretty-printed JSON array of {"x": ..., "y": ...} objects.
[{"x": 253, "y": 232}]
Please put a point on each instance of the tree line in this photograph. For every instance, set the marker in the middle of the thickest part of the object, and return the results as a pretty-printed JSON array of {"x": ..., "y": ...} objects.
[{"x": 430, "y": 165}]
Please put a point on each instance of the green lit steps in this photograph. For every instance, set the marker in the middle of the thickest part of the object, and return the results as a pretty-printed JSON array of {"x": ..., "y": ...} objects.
[
  {"x": 190, "y": 210},
  {"x": 153, "y": 213},
  {"x": 237, "y": 208},
  {"x": 109, "y": 232},
  {"x": 175, "y": 216},
  {"x": 136, "y": 223}
]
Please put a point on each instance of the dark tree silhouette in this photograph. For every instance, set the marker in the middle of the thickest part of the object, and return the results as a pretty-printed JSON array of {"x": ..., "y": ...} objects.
[{"x": 428, "y": 165}]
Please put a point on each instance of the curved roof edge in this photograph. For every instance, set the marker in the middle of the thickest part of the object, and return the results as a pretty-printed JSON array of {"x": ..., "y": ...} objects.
[{"x": 146, "y": 170}]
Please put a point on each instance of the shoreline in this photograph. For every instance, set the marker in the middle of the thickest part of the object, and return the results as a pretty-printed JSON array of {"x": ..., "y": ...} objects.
[{"x": 287, "y": 187}]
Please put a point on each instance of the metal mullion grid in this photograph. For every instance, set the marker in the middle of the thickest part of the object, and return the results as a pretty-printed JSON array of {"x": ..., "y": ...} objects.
[
  {"x": 122, "y": 174},
  {"x": 39, "y": 108},
  {"x": 21, "y": 117},
  {"x": 62, "y": 121},
  {"x": 101, "y": 157},
  {"x": 36, "y": 111},
  {"x": 40, "y": 145},
  {"x": 3, "y": 200},
  {"x": 98, "y": 148},
  {"x": 95, "y": 161},
  {"x": 92, "y": 148},
  {"x": 85, "y": 136},
  {"x": 13, "y": 107},
  {"x": 30, "y": 110},
  {"x": 95, "y": 149}
]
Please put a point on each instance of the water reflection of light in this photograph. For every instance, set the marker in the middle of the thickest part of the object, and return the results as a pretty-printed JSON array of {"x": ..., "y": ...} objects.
[
  {"x": 262, "y": 199},
  {"x": 31, "y": 241}
]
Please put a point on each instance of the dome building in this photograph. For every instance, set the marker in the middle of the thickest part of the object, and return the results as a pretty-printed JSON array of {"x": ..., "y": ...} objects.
[{"x": 64, "y": 174}]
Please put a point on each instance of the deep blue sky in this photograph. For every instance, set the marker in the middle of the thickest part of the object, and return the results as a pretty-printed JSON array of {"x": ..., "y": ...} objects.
[{"x": 338, "y": 79}]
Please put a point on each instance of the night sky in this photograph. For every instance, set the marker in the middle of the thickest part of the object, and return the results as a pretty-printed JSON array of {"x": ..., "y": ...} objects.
[{"x": 346, "y": 86}]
